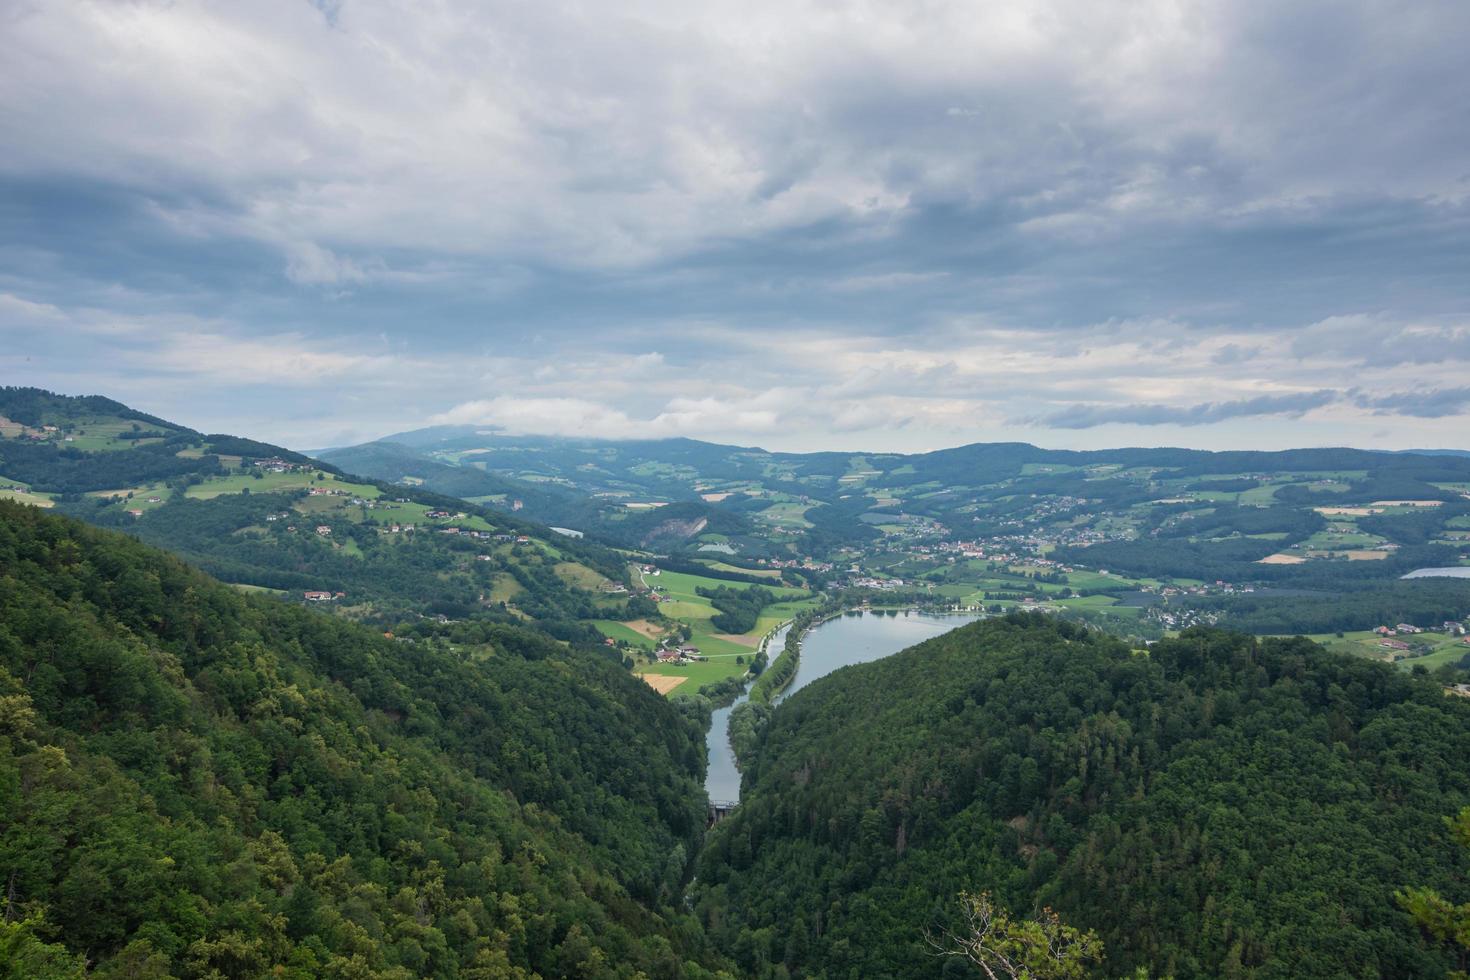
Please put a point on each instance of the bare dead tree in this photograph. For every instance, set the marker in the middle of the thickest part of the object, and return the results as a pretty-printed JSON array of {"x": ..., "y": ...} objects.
[{"x": 1043, "y": 948}]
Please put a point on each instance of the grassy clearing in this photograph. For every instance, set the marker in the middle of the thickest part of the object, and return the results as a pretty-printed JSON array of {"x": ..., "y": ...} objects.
[
  {"x": 101, "y": 433},
  {"x": 28, "y": 497},
  {"x": 789, "y": 514},
  {"x": 579, "y": 576},
  {"x": 682, "y": 585},
  {"x": 504, "y": 588},
  {"x": 719, "y": 566},
  {"x": 699, "y": 673},
  {"x": 620, "y": 631},
  {"x": 274, "y": 482},
  {"x": 1428, "y": 649},
  {"x": 661, "y": 683}
]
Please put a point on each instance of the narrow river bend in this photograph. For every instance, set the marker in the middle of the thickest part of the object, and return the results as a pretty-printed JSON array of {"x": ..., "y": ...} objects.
[{"x": 848, "y": 639}]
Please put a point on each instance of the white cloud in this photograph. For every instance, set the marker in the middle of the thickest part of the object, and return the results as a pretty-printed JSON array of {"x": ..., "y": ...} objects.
[{"x": 620, "y": 135}]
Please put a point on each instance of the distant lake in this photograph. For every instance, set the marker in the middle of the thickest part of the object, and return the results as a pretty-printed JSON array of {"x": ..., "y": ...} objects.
[
  {"x": 846, "y": 640},
  {"x": 1451, "y": 571}
]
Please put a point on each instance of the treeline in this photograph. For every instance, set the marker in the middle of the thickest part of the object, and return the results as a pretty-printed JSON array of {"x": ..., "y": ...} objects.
[
  {"x": 1421, "y": 602},
  {"x": 1238, "y": 560},
  {"x": 1418, "y": 527},
  {"x": 739, "y": 609},
  {"x": 1225, "y": 520},
  {"x": 748, "y": 721},
  {"x": 1218, "y": 806},
  {"x": 249, "y": 449},
  {"x": 60, "y": 469},
  {"x": 674, "y": 563},
  {"x": 194, "y": 783},
  {"x": 35, "y": 406}
]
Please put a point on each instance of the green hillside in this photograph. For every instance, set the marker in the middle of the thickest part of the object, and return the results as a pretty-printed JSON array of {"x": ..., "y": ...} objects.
[
  {"x": 259, "y": 515},
  {"x": 1215, "y": 807},
  {"x": 198, "y": 783}
]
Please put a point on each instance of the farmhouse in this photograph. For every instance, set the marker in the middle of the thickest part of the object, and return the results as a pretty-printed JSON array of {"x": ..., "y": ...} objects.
[{"x": 317, "y": 596}]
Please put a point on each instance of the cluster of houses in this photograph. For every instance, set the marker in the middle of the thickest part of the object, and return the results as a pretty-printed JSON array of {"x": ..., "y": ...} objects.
[
  {"x": 323, "y": 596},
  {"x": 274, "y": 464},
  {"x": 686, "y": 653},
  {"x": 870, "y": 582},
  {"x": 809, "y": 564},
  {"x": 1178, "y": 619},
  {"x": 1448, "y": 627},
  {"x": 1386, "y": 635}
]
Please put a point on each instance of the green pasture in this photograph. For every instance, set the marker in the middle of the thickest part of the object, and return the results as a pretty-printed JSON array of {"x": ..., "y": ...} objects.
[{"x": 617, "y": 631}]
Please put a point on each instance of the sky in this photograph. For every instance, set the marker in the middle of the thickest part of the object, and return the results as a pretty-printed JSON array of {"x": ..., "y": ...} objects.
[{"x": 803, "y": 225}]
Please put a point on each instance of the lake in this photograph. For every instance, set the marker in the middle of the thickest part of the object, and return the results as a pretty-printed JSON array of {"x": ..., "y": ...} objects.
[
  {"x": 849, "y": 639},
  {"x": 1452, "y": 571}
]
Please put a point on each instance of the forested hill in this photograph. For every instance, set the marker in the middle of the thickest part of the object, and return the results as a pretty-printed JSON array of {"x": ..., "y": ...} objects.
[
  {"x": 258, "y": 515},
  {"x": 1216, "y": 807},
  {"x": 199, "y": 783}
]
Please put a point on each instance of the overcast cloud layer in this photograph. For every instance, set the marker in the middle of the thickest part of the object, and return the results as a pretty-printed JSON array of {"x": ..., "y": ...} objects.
[{"x": 800, "y": 225}]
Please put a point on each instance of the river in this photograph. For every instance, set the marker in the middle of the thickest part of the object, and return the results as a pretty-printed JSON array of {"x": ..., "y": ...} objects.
[{"x": 849, "y": 639}]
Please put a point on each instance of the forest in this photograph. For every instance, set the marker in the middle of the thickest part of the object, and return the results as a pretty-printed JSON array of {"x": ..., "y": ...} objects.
[
  {"x": 739, "y": 609},
  {"x": 1217, "y": 806},
  {"x": 197, "y": 783}
]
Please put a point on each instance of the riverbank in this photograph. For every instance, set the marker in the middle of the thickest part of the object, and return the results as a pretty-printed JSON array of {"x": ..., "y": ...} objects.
[{"x": 873, "y": 634}]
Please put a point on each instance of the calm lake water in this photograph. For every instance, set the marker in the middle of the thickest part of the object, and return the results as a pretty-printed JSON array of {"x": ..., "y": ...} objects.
[
  {"x": 852, "y": 639},
  {"x": 1452, "y": 571}
]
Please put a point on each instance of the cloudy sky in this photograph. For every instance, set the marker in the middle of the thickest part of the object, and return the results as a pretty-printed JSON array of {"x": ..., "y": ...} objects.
[{"x": 801, "y": 225}]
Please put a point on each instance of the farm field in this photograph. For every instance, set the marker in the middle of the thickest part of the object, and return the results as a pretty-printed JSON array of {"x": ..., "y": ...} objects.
[
  {"x": 720, "y": 566},
  {"x": 662, "y": 683},
  {"x": 698, "y": 674},
  {"x": 269, "y": 482},
  {"x": 785, "y": 515},
  {"x": 27, "y": 497},
  {"x": 1441, "y": 648},
  {"x": 687, "y": 606}
]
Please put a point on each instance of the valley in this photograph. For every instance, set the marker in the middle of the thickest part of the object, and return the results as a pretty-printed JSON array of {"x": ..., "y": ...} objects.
[{"x": 1060, "y": 678}]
